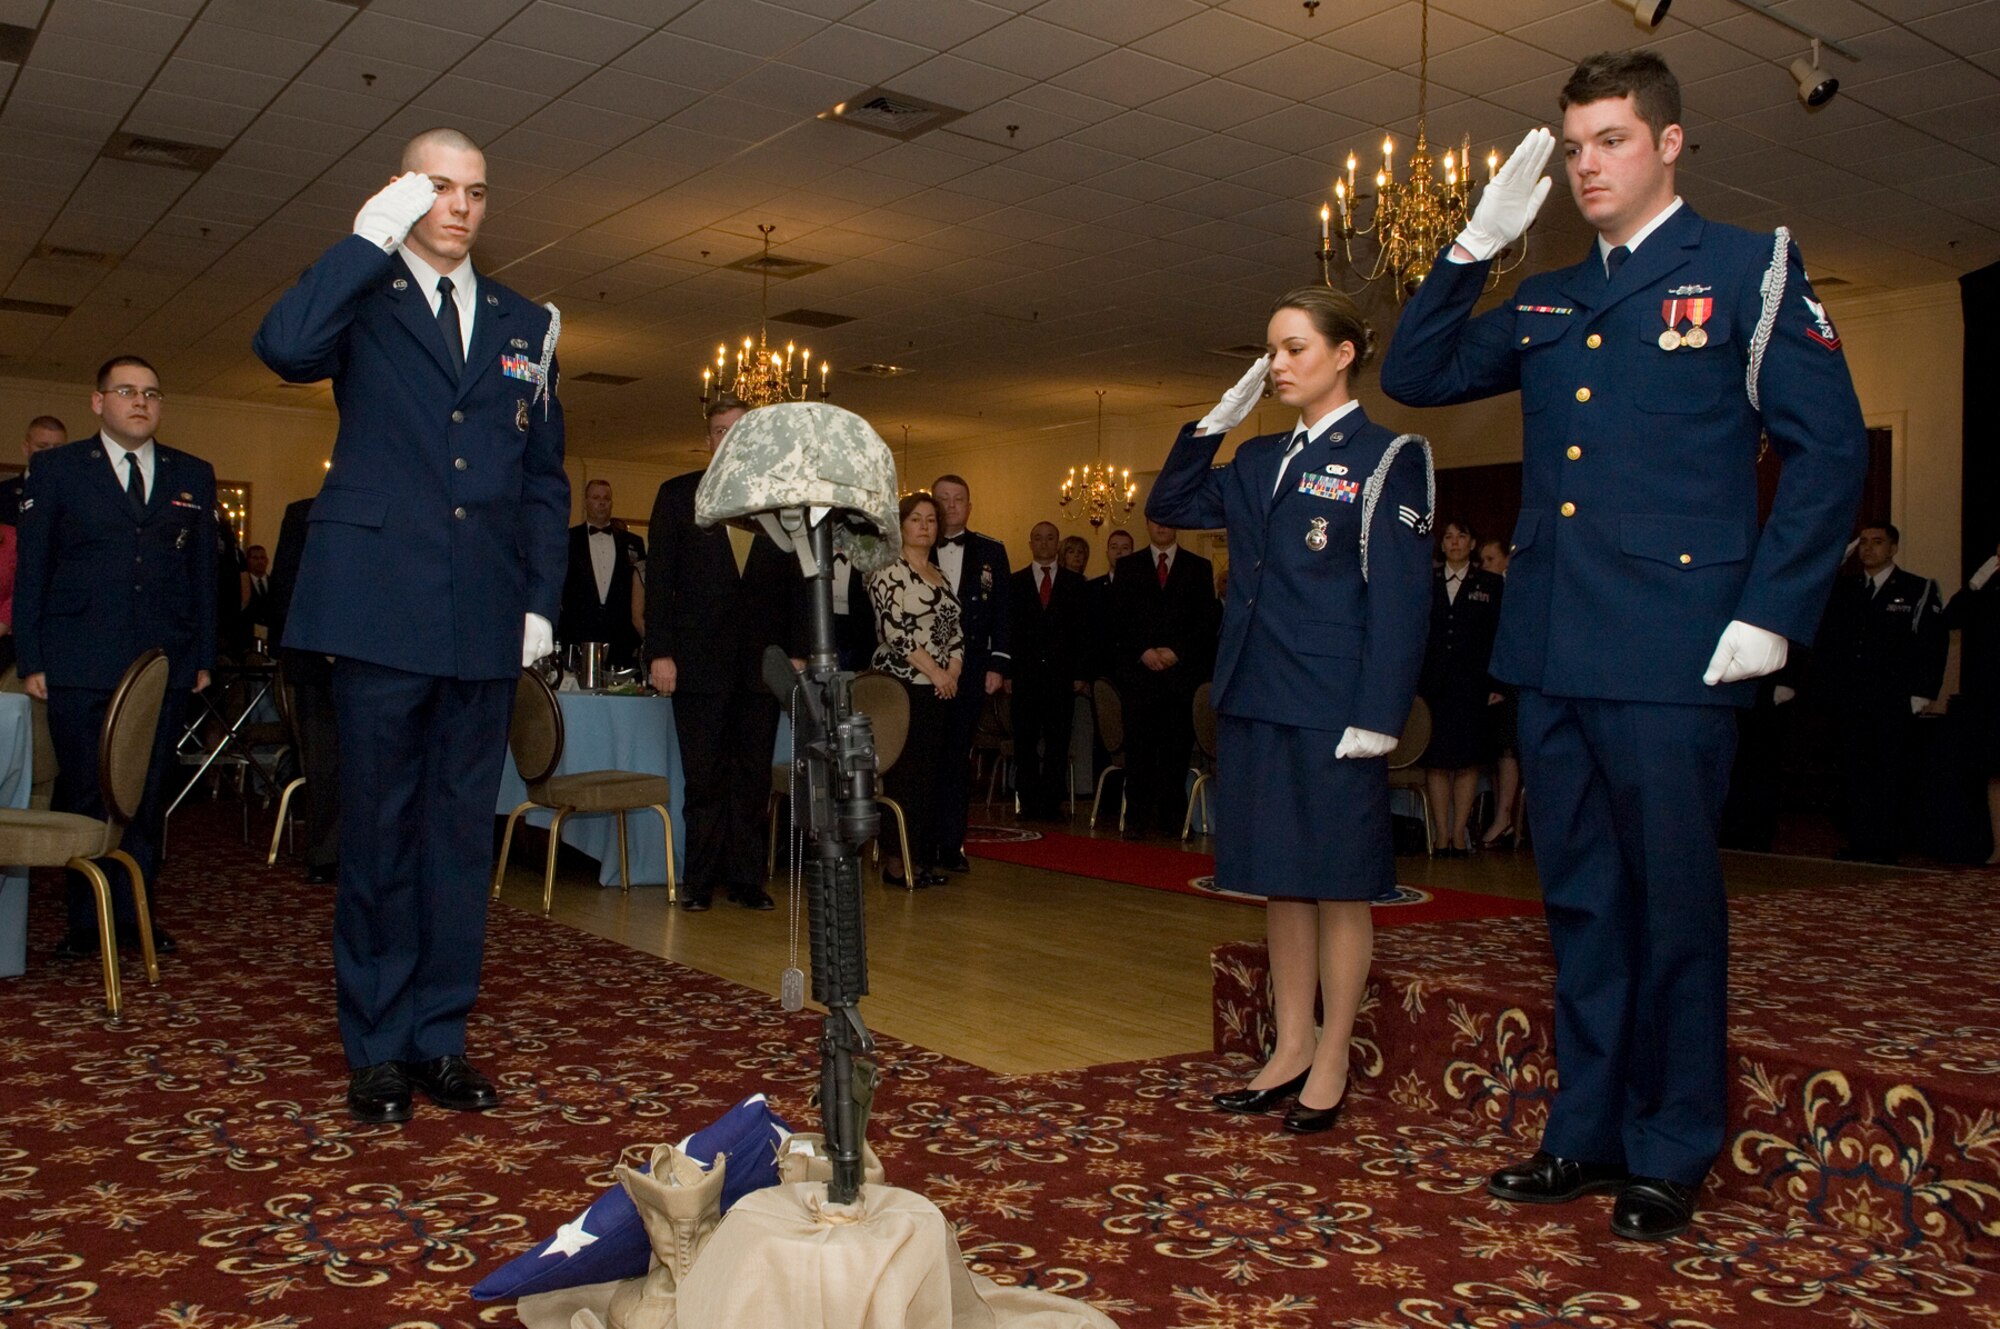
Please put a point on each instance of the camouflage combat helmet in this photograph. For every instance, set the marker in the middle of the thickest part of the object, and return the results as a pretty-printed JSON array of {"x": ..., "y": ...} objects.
[{"x": 781, "y": 466}]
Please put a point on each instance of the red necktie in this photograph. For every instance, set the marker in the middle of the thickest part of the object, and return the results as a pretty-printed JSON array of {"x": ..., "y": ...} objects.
[
  {"x": 1163, "y": 571},
  {"x": 1045, "y": 588}
]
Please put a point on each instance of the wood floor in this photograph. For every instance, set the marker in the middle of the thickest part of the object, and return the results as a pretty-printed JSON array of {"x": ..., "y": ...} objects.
[{"x": 1016, "y": 969}]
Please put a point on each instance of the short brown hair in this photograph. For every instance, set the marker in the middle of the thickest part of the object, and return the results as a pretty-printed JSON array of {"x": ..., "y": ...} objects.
[
  {"x": 724, "y": 401},
  {"x": 48, "y": 422},
  {"x": 443, "y": 137},
  {"x": 1640, "y": 75},
  {"x": 1337, "y": 317},
  {"x": 949, "y": 479},
  {"x": 908, "y": 504}
]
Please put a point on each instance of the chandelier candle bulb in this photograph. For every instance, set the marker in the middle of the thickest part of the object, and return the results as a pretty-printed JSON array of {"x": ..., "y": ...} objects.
[{"x": 1325, "y": 227}]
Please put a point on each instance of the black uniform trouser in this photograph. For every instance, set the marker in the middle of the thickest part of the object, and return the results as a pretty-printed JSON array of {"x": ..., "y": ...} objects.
[
  {"x": 319, "y": 761},
  {"x": 76, "y": 722},
  {"x": 954, "y": 791},
  {"x": 917, "y": 780},
  {"x": 1159, "y": 738},
  {"x": 725, "y": 740},
  {"x": 1043, "y": 710},
  {"x": 1875, "y": 773}
]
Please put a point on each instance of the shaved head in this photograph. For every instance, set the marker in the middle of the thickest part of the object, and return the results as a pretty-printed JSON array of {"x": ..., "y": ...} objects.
[{"x": 415, "y": 150}]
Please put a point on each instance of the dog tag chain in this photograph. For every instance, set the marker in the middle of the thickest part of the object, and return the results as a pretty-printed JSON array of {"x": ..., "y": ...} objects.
[{"x": 792, "y": 983}]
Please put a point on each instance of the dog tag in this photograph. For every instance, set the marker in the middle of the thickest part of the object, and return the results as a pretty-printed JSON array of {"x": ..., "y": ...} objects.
[{"x": 792, "y": 989}]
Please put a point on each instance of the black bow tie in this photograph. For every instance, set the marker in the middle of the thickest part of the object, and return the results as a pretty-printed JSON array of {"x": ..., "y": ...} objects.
[
  {"x": 600, "y": 530},
  {"x": 957, "y": 541}
]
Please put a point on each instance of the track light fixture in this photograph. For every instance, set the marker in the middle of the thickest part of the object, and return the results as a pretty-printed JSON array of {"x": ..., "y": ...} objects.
[
  {"x": 1816, "y": 86},
  {"x": 1647, "y": 14}
]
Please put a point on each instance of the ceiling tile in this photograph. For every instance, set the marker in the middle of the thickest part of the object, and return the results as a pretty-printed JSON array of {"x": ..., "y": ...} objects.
[
  {"x": 189, "y": 119},
  {"x": 938, "y": 24},
  {"x": 1028, "y": 46},
  {"x": 374, "y": 33},
  {"x": 112, "y": 24},
  {"x": 312, "y": 21},
  {"x": 558, "y": 30},
  {"x": 863, "y": 58},
  {"x": 687, "y": 61},
  {"x": 1216, "y": 104},
  {"x": 88, "y": 59},
  {"x": 1128, "y": 78},
  {"x": 963, "y": 84},
  {"x": 1138, "y": 134},
  {"x": 1218, "y": 155},
  {"x": 1117, "y": 21},
  {"x": 1214, "y": 41},
  {"x": 632, "y": 94},
  {"x": 240, "y": 48},
  {"x": 745, "y": 25},
  {"x": 474, "y": 16}
]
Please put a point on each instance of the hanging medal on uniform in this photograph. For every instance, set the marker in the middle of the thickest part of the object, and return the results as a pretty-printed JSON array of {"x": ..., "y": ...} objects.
[
  {"x": 1316, "y": 537},
  {"x": 1670, "y": 310},
  {"x": 1698, "y": 312}
]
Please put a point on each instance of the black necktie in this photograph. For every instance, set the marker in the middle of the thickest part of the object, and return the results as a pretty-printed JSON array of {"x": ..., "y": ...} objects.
[
  {"x": 1616, "y": 260},
  {"x": 1299, "y": 440},
  {"x": 135, "y": 484},
  {"x": 454, "y": 340}
]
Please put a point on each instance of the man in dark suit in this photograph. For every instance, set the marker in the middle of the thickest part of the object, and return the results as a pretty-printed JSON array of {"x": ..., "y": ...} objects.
[
  {"x": 715, "y": 598},
  {"x": 1117, "y": 546},
  {"x": 309, "y": 674},
  {"x": 975, "y": 567},
  {"x": 853, "y": 615},
  {"x": 1165, "y": 618},
  {"x": 44, "y": 432},
  {"x": 1881, "y": 652},
  {"x": 1050, "y": 668},
  {"x": 597, "y": 594},
  {"x": 257, "y": 609},
  {"x": 1643, "y": 599},
  {"x": 117, "y": 557},
  {"x": 432, "y": 573}
]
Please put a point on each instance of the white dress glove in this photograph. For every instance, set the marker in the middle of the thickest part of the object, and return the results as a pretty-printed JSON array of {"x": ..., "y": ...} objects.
[
  {"x": 1744, "y": 651},
  {"x": 1238, "y": 402},
  {"x": 537, "y": 639},
  {"x": 388, "y": 217},
  {"x": 1985, "y": 573},
  {"x": 1364, "y": 743},
  {"x": 1918, "y": 705},
  {"x": 1782, "y": 694},
  {"x": 1508, "y": 204}
]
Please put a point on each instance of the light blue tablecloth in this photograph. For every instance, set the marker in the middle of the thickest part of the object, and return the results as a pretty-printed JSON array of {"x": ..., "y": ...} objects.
[
  {"x": 17, "y": 778},
  {"x": 619, "y": 734}
]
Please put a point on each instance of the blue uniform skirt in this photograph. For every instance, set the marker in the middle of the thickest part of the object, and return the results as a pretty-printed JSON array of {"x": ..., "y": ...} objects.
[{"x": 1293, "y": 821}]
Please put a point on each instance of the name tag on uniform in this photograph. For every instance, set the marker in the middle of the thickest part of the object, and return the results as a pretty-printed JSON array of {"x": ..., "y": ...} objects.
[
  {"x": 521, "y": 367},
  {"x": 1321, "y": 485}
]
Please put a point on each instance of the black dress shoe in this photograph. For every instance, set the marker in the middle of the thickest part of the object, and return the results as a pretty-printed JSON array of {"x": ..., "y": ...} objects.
[
  {"x": 1303, "y": 1120},
  {"x": 923, "y": 881},
  {"x": 1652, "y": 1209},
  {"x": 450, "y": 1082},
  {"x": 694, "y": 903},
  {"x": 323, "y": 875},
  {"x": 379, "y": 1093},
  {"x": 928, "y": 877},
  {"x": 751, "y": 897},
  {"x": 76, "y": 944},
  {"x": 957, "y": 862},
  {"x": 1260, "y": 1100},
  {"x": 128, "y": 939},
  {"x": 1546, "y": 1179}
]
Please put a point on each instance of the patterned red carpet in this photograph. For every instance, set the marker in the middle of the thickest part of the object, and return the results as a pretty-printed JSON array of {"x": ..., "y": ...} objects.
[{"x": 194, "y": 1168}]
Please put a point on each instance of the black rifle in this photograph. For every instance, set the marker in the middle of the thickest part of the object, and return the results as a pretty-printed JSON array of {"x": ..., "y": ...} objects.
[{"x": 833, "y": 783}]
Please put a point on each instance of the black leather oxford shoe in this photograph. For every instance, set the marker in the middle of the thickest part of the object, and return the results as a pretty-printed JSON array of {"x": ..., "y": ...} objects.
[
  {"x": 1260, "y": 1100},
  {"x": 1652, "y": 1209},
  {"x": 379, "y": 1093},
  {"x": 1546, "y": 1179},
  {"x": 451, "y": 1082}
]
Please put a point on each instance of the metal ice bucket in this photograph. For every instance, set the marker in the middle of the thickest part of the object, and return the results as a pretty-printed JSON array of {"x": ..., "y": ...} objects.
[{"x": 589, "y": 664}]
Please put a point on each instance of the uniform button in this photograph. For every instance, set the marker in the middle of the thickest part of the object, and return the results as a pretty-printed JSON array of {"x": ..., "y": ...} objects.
[
  {"x": 1593, "y": 341},
  {"x": 1575, "y": 453},
  {"x": 458, "y": 417},
  {"x": 460, "y": 513},
  {"x": 1687, "y": 558},
  {"x": 1569, "y": 509},
  {"x": 1525, "y": 340},
  {"x": 458, "y": 463},
  {"x": 1583, "y": 394}
]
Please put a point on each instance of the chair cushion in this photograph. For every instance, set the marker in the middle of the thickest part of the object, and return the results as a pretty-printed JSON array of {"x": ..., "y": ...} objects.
[
  {"x": 34, "y": 838},
  {"x": 601, "y": 791}
]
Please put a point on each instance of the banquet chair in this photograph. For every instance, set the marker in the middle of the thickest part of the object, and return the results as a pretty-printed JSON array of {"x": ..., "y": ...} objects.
[
  {"x": 31, "y": 837},
  {"x": 288, "y": 727},
  {"x": 993, "y": 741},
  {"x": 536, "y": 741},
  {"x": 46, "y": 767},
  {"x": 1204, "y": 767},
  {"x": 1405, "y": 772},
  {"x": 882, "y": 699},
  {"x": 1110, "y": 732}
]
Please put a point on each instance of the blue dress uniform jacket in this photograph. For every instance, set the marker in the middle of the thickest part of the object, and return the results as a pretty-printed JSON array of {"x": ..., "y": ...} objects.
[
  {"x": 984, "y": 607},
  {"x": 1306, "y": 640},
  {"x": 444, "y": 518},
  {"x": 1637, "y": 541},
  {"x": 98, "y": 586}
]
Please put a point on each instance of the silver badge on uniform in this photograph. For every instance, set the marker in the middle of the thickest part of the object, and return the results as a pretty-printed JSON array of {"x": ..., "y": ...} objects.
[
  {"x": 1316, "y": 537},
  {"x": 518, "y": 344},
  {"x": 1335, "y": 468},
  {"x": 521, "y": 414},
  {"x": 399, "y": 285}
]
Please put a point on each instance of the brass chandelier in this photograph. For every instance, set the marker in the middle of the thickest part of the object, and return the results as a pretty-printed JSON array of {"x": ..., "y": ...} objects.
[
  {"x": 762, "y": 374},
  {"x": 1096, "y": 490},
  {"x": 1414, "y": 218}
]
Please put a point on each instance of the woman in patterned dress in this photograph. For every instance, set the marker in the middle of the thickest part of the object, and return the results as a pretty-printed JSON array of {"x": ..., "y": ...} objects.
[{"x": 920, "y": 643}]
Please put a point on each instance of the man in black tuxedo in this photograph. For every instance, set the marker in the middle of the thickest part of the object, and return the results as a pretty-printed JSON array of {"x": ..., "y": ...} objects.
[
  {"x": 1165, "y": 618},
  {"x": 44, "y": 432},
  {"x": 309, "y": 674},
  {"x": 975, "y": 567},
  {"x": 1117, "y": 546},
  {"x": 1051, "y": 666},
  {"x": 257, "y": 609},
  {"x": 1882, "y": 648},
  {"x": 597, "y": 594},
  {"x": 715, "y": 598},
  {"x": 117, "y": 557}
]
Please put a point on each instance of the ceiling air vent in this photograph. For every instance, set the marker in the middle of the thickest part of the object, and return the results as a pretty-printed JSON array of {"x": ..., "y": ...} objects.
[
  {"x": 160, "y": 152},
  {"x": 11, "y": 306},
  {"x": 15, "y": 43},
  {"x": 878, "y": 370},
  {"x": 608, "y": 380},
  {"x": 895, "y": 114},
  {"x": 775, "y": 265},
  {"x": 1243, "y": 352},
  {"x": 66, "y": 254},
  {"x": 812, "y": 318}
]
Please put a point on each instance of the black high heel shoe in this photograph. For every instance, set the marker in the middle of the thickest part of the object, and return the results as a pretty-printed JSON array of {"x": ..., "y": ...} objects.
[
  {"x": 1303, "y": 1120},
  {"x": 1260, "y": 1100}
]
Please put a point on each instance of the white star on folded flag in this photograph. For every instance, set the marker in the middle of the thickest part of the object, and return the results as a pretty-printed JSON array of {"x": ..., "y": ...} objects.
[{"x": 569, "y": 1238}]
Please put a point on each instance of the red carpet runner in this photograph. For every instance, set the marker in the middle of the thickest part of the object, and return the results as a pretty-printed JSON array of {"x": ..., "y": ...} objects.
[
  {"x": 194, "y": 1168},
  {"x": 1164, "y": 868}
]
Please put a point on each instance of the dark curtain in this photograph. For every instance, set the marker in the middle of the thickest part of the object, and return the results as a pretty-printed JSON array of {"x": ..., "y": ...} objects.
[{"x": 1979, "y": 519}]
